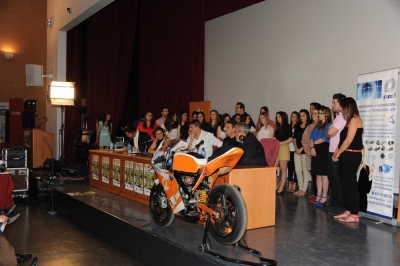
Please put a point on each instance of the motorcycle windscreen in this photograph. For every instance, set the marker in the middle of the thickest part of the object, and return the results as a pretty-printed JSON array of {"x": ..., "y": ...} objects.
[
  {"x": 223, "y": 157},
  {"x": 171, "y": 189}
]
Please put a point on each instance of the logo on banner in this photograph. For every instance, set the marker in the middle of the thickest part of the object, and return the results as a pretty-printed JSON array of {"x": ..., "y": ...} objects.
[{"x": 369, "y": 90}]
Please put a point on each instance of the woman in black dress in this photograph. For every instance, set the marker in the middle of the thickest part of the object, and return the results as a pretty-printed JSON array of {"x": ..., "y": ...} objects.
[
  {"x": 349, "y": 153},
  {"x": 182, "y": 121}
]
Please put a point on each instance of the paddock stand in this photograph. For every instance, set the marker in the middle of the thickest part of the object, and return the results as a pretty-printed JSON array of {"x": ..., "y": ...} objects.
[{"x": 206, "y": 247}]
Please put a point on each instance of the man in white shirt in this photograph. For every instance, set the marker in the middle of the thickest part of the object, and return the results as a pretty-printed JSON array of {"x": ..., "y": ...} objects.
[
  {"x": 333, "y": 167},
  {"x": 197, "y": 135},
  {"x": 164, "y": 113}
]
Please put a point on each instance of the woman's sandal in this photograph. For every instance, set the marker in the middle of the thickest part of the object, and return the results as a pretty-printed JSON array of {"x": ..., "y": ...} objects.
[
  {"x": 351, "y": 218},
  {"x": 342, "y": 215},
  {"x": 300, "y": 193},
  {"x": 293, "y": 189}
]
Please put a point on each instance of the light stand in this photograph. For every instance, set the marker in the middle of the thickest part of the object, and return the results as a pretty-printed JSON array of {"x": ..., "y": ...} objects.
[{"x": 61, "y": 93}]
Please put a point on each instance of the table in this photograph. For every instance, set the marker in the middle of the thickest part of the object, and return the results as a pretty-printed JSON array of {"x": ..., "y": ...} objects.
[
  {"x": 258, "y": 188},
  {"x": 123, "y": 174},
  {"x": 6, "y": 189}
]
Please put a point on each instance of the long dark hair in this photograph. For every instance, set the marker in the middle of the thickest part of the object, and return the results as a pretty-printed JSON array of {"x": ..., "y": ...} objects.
[
  {"x": 349, "y": 109},
  {"x": 308, "y": 117},
  {"x": 181, "y": 113},
  {"x": 222, "y": 123},
  {"x": 151, "y": 122},
  {"x": 204, "y": 122},
  {"x": 298, "y": 119},
  {"x": 169, "y": 123},
  {"x": 103, "y": 119},
  {"x": 284, "y": 118}
]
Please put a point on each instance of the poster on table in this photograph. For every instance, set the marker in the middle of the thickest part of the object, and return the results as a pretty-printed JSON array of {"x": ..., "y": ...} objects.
[
  {"x": 148, "y": 178},
  {"x": 138, "y": 178},
  {"x": 105, "y": 162},
  {"x": 376, "y": 100},
  {"x": 129, "y": 168},
  {"x": 116, "y": 172},
  {"x": 95, "y": 167}
]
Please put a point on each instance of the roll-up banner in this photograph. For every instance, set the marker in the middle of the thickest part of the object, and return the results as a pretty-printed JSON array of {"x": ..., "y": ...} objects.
[{"x": 376, "y": 98}]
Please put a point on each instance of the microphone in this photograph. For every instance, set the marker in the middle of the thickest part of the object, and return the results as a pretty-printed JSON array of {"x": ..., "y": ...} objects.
[
  {"x": 145, "y": 142},
  {"x": 199, "y": 144}
]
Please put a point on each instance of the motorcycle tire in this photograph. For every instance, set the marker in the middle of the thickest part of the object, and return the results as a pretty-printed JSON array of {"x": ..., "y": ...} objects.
[
  {"x": 161, "y": 216},
  {"x": 231, "y": 225}
]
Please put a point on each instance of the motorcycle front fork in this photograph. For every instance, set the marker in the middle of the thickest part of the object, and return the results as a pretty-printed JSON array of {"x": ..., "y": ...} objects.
[{"x": 206, "y": 247}]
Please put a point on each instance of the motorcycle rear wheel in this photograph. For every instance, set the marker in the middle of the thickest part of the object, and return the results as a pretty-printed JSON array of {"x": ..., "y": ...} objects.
[
  {"x": 231, "y": 225},
  {"x": 161, "y": 216}
]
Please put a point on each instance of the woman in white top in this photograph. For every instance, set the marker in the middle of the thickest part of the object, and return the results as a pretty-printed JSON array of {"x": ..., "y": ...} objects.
[
  {"x": 265, "y": 129},
  {"x": 171, "y": 126}
]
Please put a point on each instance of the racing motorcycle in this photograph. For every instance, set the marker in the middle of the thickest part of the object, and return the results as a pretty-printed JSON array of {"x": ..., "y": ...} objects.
[{"x": 184, "y": 182}]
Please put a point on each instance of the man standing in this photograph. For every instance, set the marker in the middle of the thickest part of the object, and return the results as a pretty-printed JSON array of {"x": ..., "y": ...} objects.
[
  {"x": 240, "y": 109},
  {"x": 164, "y": 113},
  {"x": 140, "y": 141},
  {"x": 333, "y": 167},
  {"x": 201, "y": 141},
  {"x": 253, "y": 150},
  {"x": 230, "y": 139}
]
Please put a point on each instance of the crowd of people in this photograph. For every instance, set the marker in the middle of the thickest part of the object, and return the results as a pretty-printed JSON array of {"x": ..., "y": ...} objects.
[{"x": 312, "y": 145}]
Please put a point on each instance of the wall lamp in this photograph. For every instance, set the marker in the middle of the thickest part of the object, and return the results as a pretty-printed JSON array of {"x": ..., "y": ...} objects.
[{"x": 8, "y": 55}]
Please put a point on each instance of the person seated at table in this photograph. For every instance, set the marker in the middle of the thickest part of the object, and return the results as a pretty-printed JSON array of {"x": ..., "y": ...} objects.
[
  {"x": 201, "y": 141},
  {"x": 230, "y": 139},
  {"x": 8, "y": 257},
  {"x": 148, "y": 124},
  {"x": 160, "y": 142},
  {"x": 138, "y": 140},
  {"x": 253, "y": 150},
  {"x": 171, "y": 126}
]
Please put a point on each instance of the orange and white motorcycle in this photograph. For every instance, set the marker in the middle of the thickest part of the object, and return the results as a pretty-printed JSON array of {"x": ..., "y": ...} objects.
[{"x": 184, "y": 182}]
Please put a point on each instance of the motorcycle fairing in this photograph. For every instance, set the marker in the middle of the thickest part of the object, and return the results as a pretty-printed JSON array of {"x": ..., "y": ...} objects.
[{"x": 171, "y": 189}]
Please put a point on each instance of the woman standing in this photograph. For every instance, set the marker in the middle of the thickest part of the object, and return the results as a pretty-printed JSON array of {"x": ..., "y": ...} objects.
[
  {"x": 104, "y": 131},
  {"x": 283, "y": 133},
  {"x": 265, "y": 130},
  {"x": 300, "y": 156},
  {"x": 171, "y": 126},
  {"x": 184, "y": 125},
  {"x": 349, "y": 151},
  {"x": 221, "y": 130},
  {"x": 202, "y": 119},
  {"x": 247, "y": 119},
  {"x": 319, "y": 146},
  {"x": 214, "y": 124},
  {"x": 305, "y": 141},
  {"x": 148, "y": 124},
  {"x": 292, "y": 178}
]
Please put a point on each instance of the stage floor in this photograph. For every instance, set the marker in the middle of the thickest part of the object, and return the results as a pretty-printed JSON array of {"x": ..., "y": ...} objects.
[
  {"x": 183, "y": 234},
  {"x": 303, "y": 235}
]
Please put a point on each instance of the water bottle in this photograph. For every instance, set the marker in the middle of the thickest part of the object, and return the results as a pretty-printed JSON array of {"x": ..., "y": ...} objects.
[
  {"x": 203, "y": 152},
  {"x": 129, "y": 148},
  {"x": 111, "y": 146}
]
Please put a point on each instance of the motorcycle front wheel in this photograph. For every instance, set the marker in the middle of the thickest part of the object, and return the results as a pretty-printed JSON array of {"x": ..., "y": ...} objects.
[
  {"x": 159, "y": 206},
  {"x": 231, "y": 225}
]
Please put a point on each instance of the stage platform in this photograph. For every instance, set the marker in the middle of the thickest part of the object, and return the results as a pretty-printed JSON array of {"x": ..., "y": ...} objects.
[{"x": 128, "y": 226}]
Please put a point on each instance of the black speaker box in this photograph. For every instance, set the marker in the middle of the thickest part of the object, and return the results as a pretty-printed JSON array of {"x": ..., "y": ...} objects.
[{"x": 52, "y": 164}]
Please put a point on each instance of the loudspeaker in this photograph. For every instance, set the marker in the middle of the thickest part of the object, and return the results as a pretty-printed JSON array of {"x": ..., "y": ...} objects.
[
  {"x": 28, "y": 119},
  {"x": 34, "y": 75},
  {"x": 52, "y": 164}
]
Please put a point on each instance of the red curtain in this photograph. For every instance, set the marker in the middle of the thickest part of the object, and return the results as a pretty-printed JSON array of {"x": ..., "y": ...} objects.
[
  {"x": 171, "y": 54},
  {"x": 110, "y": 43}
]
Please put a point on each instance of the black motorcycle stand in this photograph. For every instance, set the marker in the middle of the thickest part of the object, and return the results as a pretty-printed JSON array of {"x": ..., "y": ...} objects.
[{"x": 205, "y": 247}]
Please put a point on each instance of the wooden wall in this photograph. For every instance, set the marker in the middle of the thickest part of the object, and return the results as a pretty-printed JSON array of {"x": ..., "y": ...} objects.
[{"x": 23, "y": 33}]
